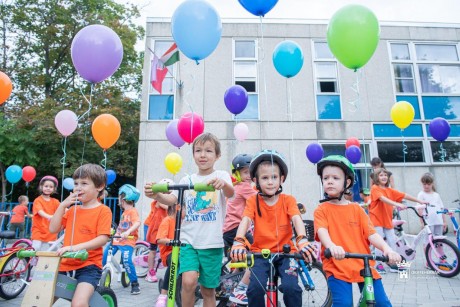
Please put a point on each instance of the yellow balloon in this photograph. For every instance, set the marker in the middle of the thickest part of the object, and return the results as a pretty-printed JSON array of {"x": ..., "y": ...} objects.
[
  {"x": 173, "y": 162},
  {"x": 402, "y": 114}
]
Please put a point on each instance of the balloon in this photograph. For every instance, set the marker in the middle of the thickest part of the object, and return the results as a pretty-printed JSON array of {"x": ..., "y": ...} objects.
[
  {"x": 173, "y": 135},
  {"x": 190, "y": 126},
  {"x": 236, "y": 99},
  {"x": 173, "y": 162},
  {"x": 288, "y": 58},
  {"x": 352, "y": 35},
  {"x": 68, "y": 184},
  {"x": 13, "y": 173},
  {"x": 6, "y": 87},
  {"x": 196, "y": 28},
  {"x": 439, "y": 129},
  {"x": 258, "y": 7},
  {"x": 111, "y": 176},
  {"x": 241, "y": 131},
  {"x": 106, "y": 130},
  {"x": 28, "y": 173},
  {"x": 96, "y": 52},
  {"x": 314, "y": 152},
  {"x": 402, "y": 114},
  {"x": 352, "y": 141},
  {"x": 353, "y": 154},
  {"x": 66, "y": 122}
]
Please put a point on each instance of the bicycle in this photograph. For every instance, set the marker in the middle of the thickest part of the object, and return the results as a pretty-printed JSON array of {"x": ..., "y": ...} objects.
[
  {"x": 114, "y": 268},
  {"x": 367, "y": 297},
  {"x": 450, "y": 213},
  {"x": 140, "y": 258},
  {"x": 62, "y": 286},
  {"x": 441, "y": 254},
  {"x": 310, "y": 276}
]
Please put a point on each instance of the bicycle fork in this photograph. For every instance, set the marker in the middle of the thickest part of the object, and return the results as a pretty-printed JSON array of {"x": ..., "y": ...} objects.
[{"x": 367, "y": 295}]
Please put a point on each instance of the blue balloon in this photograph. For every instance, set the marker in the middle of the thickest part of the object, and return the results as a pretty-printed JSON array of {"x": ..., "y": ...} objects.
[
  {"x": 13, "y": 173},
  {"x": 196, "y": 28},
  {"x": 258, "y": 7},
  {"x": 68, "y": 183},
  {"x": 111, "y": 176},
  {"x": 353, "y": 154},
  {"x": 288, "y": 58}
]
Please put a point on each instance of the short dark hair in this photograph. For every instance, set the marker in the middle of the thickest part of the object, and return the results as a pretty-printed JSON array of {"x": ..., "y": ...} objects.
[
  {"x": 94, "y": 172},
  {"x": 207, "y": 137}
]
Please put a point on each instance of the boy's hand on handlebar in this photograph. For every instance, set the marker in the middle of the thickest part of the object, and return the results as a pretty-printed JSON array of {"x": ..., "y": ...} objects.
[
  {"x": 337, "y": 252},
  {"x": 148, "y": 190},
  {"x": 239, "y": 249},
  {"x": 307, "y": 249},
  {"x": 65, "y": 249},
  {"x": 217, "y": 183},
  {"x": 393, "y": 257}
]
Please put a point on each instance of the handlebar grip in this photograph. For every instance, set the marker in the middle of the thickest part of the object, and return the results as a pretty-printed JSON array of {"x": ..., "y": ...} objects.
[
  {"x": 81, "y": 254},
  {"x": 22, "y": 253},
  {"x": 238, "y": 265},
  {"x": 203, "y": 187},
  {"x": 160, "y": 188},
  {"x": 327, "y": 253}
]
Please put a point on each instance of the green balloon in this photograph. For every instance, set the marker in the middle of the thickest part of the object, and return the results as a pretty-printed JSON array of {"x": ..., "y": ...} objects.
[{"x": 352, "y": 35}]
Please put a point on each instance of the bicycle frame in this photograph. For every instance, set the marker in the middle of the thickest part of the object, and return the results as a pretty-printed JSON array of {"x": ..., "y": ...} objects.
[
  {"x": 450, "y": 213},
  {"x": 114, "y": 266}
]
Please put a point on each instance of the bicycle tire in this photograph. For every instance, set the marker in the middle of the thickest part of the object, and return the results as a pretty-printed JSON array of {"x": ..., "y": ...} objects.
[
  {"x": 13, "y": 284},
  {"x": 320, "y": 295},
  {"x": 108, "y": 295},
  {"x": 22, "y": 243},
  {"x": 125, "y": 282},
  {"x": 160, "y": 284},
  {"x": 448, "y": 267},
  {"x": 140, "y": 249},
  {"x": 106, "y": 278}
]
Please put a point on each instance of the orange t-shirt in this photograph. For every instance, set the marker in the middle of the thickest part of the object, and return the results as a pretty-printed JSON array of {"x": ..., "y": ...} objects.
[
  {"x": 381, "y": 213},
  {"x": 89, "y": 224},
  {"x": 158, "y": 215},
  {"x": 349, "y": 227},
  {"x": 166, "y": 231},
  {"x": 148, "y": 219},
  {"x": 40, "y": 225},
  {"x": 19, "y": 212},
  {"x": 273, "y": 229},
  {"x": 128, "y": 218}
]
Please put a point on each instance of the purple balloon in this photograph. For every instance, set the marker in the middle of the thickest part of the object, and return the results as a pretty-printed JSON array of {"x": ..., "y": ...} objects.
[
  {"x": 314, "y": 152},
  {"x": 173, "y": 135},
  {"x": 236, "y": 99},
  {"x": 439, "y": 129},
  {"x": 353, "y": 154},
  {"x": 96, "y": 52}
]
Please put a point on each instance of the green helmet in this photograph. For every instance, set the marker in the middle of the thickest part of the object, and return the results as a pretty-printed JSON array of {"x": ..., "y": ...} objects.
[{"x": 339, "y": 161}]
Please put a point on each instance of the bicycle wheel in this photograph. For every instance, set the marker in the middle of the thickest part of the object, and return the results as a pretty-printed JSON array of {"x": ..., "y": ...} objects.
[
  {"x": 125, "y": 282},
  {"x": 160, "y": 284},
  {"x": 140, "y": 254},
  {"x": 316, "y": 293},
  {"x": 14, "y": 273},
  {"x": 447, "y": 264},
  {"x": 106, "y": 278},
  {"x": 108, "y": 295}
]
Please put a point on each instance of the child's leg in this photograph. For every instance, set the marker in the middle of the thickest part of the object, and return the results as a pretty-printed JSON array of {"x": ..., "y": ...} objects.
[
  {"x": 287, "y": 270},
  {"x": 210, "y": 267},
  {"x": 151, "y": 275},
  {"x": 342, "y": 292},
  {"x": 88, "y": 278},
  {"x": 189, "y": 268},
  {"x": 381, "y": 297},
  {"x": 258, "y": 282},
  {"x": 127, "y": 256},
  {"x": 146, "y": 230},
  {"x": 164, "y": 286},
  {"x": 82, "y": 294}
]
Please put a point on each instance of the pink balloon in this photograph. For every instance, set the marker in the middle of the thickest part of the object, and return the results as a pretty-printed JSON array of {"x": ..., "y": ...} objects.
[
  {"x": 66, "y": 122},
  {"x": 190, "y": 126},
  {"x": 241, "y": 132}
]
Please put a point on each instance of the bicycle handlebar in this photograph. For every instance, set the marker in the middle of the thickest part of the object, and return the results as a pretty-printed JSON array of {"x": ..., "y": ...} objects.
[
  {"x": 327, "y": 254},
  {"x": 249, "y": 262},
  {"x": 198, "y": 187},
  {"x": 445, "y": 211},
  {"x": 81, "y": 254}
]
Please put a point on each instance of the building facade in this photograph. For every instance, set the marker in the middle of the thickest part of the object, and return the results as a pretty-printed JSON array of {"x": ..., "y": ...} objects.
[{"x": 325, "y": 103}]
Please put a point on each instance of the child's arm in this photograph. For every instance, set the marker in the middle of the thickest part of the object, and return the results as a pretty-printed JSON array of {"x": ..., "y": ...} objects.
[
  {"x": 221, "y": 184},
  {"x": 336, "y": 251},
  {"x": 240, "y": 244},
  {"x": 303, "y": 245},
  {"x": 167, "y": 199},
  {"x": 97, "y": 242},
  {"x": 44, "y": 214},
  {"x": 416, "y": 200},
  {"x": 162, "y": 206},
  {"x": 56, "y": 219},
  {"x": 380, "y": 243},
  {"x": 126, "y": 233},
  {"x": 163, "y": 241},
  {"x": 392, "y": 202}
]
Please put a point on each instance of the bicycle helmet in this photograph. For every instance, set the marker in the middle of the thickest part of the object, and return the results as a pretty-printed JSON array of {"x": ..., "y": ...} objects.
[
  {"x": 241, "y": 161},
  {"x": 50, "y": 178},
  {"x": 342, "y": 163},
  {"x": 131, "y": 193},
  {"x": 268, "y": 155}
]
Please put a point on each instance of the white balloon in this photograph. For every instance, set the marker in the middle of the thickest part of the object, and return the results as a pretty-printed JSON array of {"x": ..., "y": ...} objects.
[{"x": 241, "y": 132}]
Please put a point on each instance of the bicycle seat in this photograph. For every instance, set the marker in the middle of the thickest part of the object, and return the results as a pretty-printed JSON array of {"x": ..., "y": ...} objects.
[
  {"x": 398, "y": 223},
  {"x": 7, "y": 234}
]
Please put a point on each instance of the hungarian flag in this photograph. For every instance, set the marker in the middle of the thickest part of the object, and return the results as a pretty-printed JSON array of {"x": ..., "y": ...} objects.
[
  {"x": 157, "y": 73},
  {"x": 171, "y": 56}
]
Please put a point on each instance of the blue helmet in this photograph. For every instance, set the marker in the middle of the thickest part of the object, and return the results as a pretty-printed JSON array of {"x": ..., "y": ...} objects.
[{"x": 131, "y": 193}]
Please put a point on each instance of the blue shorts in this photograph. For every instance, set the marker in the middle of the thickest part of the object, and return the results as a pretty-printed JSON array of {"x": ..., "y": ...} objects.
[{"x": 90, "y": 274}]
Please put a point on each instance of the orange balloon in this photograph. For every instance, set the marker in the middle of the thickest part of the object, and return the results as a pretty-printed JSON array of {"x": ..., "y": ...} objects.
[
  {"x": 6, "y": 87},
  {"x": 106, "y": 130}
]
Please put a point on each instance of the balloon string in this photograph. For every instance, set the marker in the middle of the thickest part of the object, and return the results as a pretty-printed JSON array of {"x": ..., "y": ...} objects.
[
  {"x": 104, "y": 161},
  {"x": 262, "y": 70},
  {"x": 291, "y": 143},
  {"x": 90, "y": 105},
  {"x": 86, "y": 123},
  {"x": 11, "y": 192},
  {"x": 405, "y": 148},
  {"x": 64, "y": 142},
  {"x": 443, "y": 153},
  {"x": 355, "y": 88}
]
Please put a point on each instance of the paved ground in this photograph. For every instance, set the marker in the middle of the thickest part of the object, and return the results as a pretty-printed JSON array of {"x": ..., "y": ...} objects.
[{"x": 421, "y": 289}]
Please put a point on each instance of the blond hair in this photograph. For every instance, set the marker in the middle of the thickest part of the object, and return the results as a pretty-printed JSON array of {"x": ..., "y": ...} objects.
[
  {"x": 207, "y": 137},
  {"x": 23, "y": 199}
]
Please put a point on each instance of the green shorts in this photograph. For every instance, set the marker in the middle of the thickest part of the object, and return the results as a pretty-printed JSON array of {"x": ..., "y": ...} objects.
[{"x": 207, "y": 262}]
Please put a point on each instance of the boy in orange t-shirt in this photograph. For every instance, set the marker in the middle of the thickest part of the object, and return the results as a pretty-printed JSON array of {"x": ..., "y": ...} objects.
[
  {"x": 87, "y": 227},
  {"x": 342, "y": 226},
  {"x": 18, "y": 218},
  {"x": 272, "y": 214}
]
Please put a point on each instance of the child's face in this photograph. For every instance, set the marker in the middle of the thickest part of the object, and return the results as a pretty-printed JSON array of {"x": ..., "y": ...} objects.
[
  {"x": 333, "y": 178},
  {"x": 427, "y": 187},
  {"x": 87, "y": 191},
  {"x": 48, "y": 187},
  {"x": 382, "y": 178},
  {"x": 205, "y": 157},
  {"x": 245, "y": 175},
  {"x": 269, "y": 178}
]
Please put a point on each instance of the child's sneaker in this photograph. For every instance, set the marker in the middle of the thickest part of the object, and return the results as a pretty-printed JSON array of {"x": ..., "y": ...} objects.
[
  {"x": 393, "y": 268},
  {"x": 380, "y": 269},
  {"x": 239, "y": 295},
  {"x": 135, "y": 288},
  {"x": 151, "y": 276},
  {"x": 161, "y": 300}
]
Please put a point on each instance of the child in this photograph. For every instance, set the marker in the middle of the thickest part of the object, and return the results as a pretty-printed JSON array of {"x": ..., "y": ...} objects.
[
  {"x": 128, "y": 195},
  {"x": 383, "y": 199},
  {"x": 376, "y": 163},
  {"x": 365, "y": 196},
  {"x": 164, "y": 236},
  {"x": 18, "y": 218},
  {"x": 272, "y": 214},
  {"x": 342, "y": 226},
  {"x": 201, "y": 257},
  {"x": 87, "y": 227},
  {"x": 235, "y": 208},
  {"x": 43, "y": 209}
]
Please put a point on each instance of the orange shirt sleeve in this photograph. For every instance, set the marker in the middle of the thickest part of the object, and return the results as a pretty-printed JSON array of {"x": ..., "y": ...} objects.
[
  {"x": 250, "y": 209},
  {"x": 320, "y": 220},
  {"x": 396, "y": 195},
  {"x": 152, "y": 212}
]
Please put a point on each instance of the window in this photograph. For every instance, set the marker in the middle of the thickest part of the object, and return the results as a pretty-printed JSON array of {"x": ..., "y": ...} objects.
[
  {"x": 404, "y": 78},
  {"x": 450, "y": 151},
  {"x": 245, "y": 74},
  {"x": 399, "y": 152},
  {"x": 339, "y": 149},
  {"x": 328, "y": 105}
]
